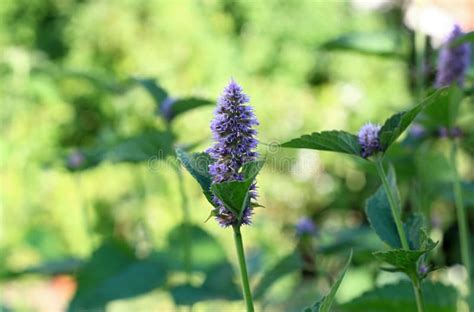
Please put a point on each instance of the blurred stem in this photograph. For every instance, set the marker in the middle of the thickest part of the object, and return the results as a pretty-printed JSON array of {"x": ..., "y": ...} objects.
[
  {"x": 186, "y": 233},
  {"x": 243, "y": 268},
  {"x": 84, "y": 209},
  {"x": 461, "y": 216},
  {"x": 418, "y": 293},
  {"x": 393, "y": 204}
]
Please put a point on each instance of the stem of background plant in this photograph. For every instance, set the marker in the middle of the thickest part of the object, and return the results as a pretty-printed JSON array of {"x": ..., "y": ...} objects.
[
  {"x": 393, "y": 204},
  {"x": 461, "y": 216},
  {"x": 239, "y": 246},
  {"x": 84, "y": 209},
  {"x": 418, "y": 293},
  {"x": 186, "y": 233}
]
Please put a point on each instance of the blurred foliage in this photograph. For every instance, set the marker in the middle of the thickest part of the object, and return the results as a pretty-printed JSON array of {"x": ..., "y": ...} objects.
[{"x": 88, "y": 77}]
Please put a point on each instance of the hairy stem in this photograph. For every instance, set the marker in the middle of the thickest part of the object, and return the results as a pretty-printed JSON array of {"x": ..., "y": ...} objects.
[
  {"x": 243, "y": 268},
  {"x": 418, "y": 293}
]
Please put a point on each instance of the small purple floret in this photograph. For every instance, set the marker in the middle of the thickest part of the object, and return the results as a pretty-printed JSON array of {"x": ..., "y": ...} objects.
[
  {"x": 369, "y": 139},
  {"x": 453, "y": 61},
  {"x": 75, "y": 160},
  {"x": 235, "y": 141},
  {"x": 305, "y": 226},
  {"x": 166, "y": 106}
]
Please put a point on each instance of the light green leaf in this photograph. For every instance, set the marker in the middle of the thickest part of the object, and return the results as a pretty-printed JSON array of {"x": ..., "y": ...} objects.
[
  {"x": 324, "y": 305},
  {"x": 197, "y": 165},
  {"x": 153, "y": 88},
  {"x": 335, "y": 141},
  {"x": 234, "y": 194},
  {"x": 465, "y": 38},
  {"x": 400, "y": 297}
]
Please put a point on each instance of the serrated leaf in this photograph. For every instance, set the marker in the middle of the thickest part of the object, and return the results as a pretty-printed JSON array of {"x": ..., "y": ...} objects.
[
  {"x": 234, "y": 194},
  {"x": 444, "y": 110},
  {"x": 184, "y": 105},
  {"x": 380, "y": 215},
  {"x": 378, "y": 44},
  {"x": 153, "y": 88},
  {"x": 197, "y": 165},
  {"x": 404, "y": 260},
  {"x": 335, "y": 141},
  {"x": 400, "y": 297},
  {"x": 398, "y": 123},
  {"x": 324, "y": 305},
  {"x": 286, "y": 265}
]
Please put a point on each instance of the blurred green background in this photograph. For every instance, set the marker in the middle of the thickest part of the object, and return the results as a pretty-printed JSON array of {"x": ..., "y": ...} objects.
[{"x": 64, "y": 72}]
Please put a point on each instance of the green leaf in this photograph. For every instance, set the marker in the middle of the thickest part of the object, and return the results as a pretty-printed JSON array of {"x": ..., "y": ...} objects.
[
  {"x": 184, "y": 105},
  {"x": 148, "y": 146},
  {"x": 400, "y": 297},
  {"x": 413, "y": 228},
  {"x": 379, "y": 44},
  {"x": 153, "y": 88},
  {"x": 380, "y": 215},
  {"x": 465, "y": 38},
  {"x": 286, "y": 265},
  {"x": 114, "y": 273},
  {"x": 397, "y": 124},
  {"x": 234, "y": 194},
  {"x": 49, "y": 268},
  {"x": 405, "y": 260},
  {"x": 444, "y": 110},
  {"x": 206, "y": 250},
  {"x": 197, "y": 165},
  {"x": 324, "y": 305},
  {"x": 335, "y": 141}
]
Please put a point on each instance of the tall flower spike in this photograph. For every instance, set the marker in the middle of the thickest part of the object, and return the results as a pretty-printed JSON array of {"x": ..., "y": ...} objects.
[
  {"x": 235, "y": 141},
  {"x": 453, "y": 61},
  {"x": 369, "y": 139}
]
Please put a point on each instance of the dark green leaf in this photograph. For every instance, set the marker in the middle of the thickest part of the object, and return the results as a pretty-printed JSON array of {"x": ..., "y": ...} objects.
[
  {"x": 153, "y": 88},
  {"x": 184, "y": 105},
  {"x": 282, "y": 267},
  {"x": 335, "y": 141},
  {"x": 380, "y": 215},
  {"x": 113, "y": 273},
  {"x": 234, "y": 194},
  {"x": 400, "y": 297},
  {"x": 378, "y": 44},
  {"x": 197, "y": 165},
  {"x": 444, "y": 110},
  {"x": 413, "y": 229},
  {"x": 324, "y": 305},
  {"x": 396, "y": 124},
  {"x": 465, "y": 38}
]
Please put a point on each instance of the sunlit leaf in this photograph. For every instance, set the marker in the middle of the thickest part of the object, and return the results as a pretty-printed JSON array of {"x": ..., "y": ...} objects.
[{"x": 335, "y": 141}]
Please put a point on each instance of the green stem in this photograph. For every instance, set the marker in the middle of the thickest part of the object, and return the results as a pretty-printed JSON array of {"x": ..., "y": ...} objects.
[
  {"x": 243, "y": 268},
  {"x": 393, "y": 204},
  {"x": 186, "y": 233},
  {"x": 461, "y": 216},
  {"x": 418, "y": 293}
]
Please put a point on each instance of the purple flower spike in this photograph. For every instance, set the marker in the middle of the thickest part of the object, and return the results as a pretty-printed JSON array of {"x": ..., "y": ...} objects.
[
  {"x": 235, "y": 141},
  {"x": 369, "y": 139},
  {"x": 305, "y": 226},
  {"x": 453, "y": 61}
]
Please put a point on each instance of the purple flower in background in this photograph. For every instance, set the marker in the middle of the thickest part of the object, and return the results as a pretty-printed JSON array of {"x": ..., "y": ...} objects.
[
  {"x": 417, "y": 131},
  {"x": 369, "y": 139},
  {"x": 235, "y": 141},
  {"x": 75, "y": 160},
  {"x": 305, "y": 226},
  {"x": 166, "y": 106},
  {"x": 453, "y": 61}
]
